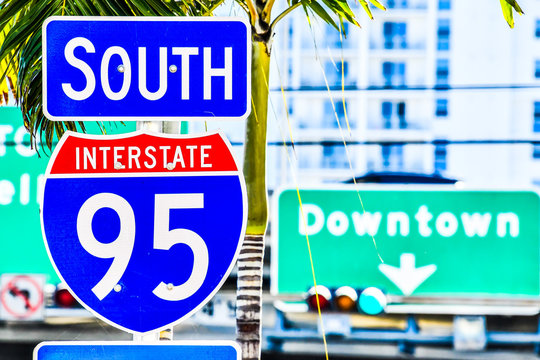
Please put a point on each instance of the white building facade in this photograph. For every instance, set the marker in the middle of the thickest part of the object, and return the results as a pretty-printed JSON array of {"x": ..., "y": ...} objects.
[{"x": 430, "y": 86}]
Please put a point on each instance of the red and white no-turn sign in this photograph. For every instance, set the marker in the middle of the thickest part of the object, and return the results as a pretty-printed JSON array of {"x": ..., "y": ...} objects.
[{"x": 21, "y": 297}]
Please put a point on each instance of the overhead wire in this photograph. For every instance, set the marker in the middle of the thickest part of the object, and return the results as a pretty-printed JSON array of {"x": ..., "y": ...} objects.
[{"x": 441, "y": 88}]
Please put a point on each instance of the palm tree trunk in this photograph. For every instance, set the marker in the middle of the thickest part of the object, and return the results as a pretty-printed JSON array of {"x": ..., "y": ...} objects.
[{"x": 250, "y": 262}]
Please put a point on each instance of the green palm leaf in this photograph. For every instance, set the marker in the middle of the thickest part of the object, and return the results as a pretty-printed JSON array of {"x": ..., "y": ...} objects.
[
  {"x": 20, "y": 50},
  {"x": 508, "y": 7}
]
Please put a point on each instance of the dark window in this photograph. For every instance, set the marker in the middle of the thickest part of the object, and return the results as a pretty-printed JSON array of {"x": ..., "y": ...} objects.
[
  {"x": 537, "y": 69},
  {"x": 345, "y": 28},
  {"x": 343, "y": 67},
  {"x": 333, "y": 73},
  {"x": 536, "y": 151},
  {"x": 440, "y": 158},
  {"x": 395, "y": 35},
  {"x": 334, "y": 157},
  {"x": 385, "y": 152},
  {"x": 392, "y": 157},
  {"x": 400, "y": 4},
  {"x": 400, "y": 73},
  {"x": 388, "y": 72},
  {"x": 291, "y": 36},
  {"x": 442, "y": 72},
  {"x": 290, "y": 106},
  {"x": 401, "y": 115},
  {"x": 444, "y": 4},
  {"x": 443, "y": 34},
  {"x": 536, "y": 119},
  {"x": 386, "y": 111},
  {"x": 441, "y": 107},
  {"x": 329, "y": 118},
  {"x": 393, "y": 73},
  {"x": 340, "y": 108},
  {"x": 401, "y": 32},
  {"x": 537, "y": 30},
  {"x": 330, "y": 72},
  {"x": 388, "y": 33}
]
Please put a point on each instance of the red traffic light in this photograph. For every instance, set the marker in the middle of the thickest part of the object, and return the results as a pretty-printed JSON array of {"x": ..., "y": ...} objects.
[
  {"x": 63, "y": 298},
  {"x": 324, "y": 296}
]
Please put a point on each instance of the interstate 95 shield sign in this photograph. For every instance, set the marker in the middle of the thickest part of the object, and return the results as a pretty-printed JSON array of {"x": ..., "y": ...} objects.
[{"x": 143, "y": 228}]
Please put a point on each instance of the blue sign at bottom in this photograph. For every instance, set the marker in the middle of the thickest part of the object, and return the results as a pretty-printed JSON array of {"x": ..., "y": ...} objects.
[{"x": 128, "y": 350}]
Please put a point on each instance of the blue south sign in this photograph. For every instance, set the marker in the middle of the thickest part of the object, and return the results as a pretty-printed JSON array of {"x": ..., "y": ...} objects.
[
  {"x": 143, "y": 228},
  {"x": 131, "y": 68},
  {"x": 124, "y": 350}
]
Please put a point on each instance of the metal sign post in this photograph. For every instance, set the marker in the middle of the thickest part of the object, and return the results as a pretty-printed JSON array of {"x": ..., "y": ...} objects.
[{"x": 172, "y": 127}]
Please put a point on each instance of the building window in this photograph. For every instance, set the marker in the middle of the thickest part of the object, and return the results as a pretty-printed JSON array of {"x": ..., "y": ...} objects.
[
  {"x": 388, "y": 72},
  {"x": 340, "y": 109},
  {"x": 333, "y": 38},
  {"x": 392, "y": 157},
  {"x": 401, "y": 115},
  {"x": 393, "y": 73},
  {"x": 536, "y": 119},
  {"x": 389, "y": 120},
  {"x": 333, "y": 73},
  {"x": 334, "y": 157},
  {"x": 329, "y": 118},
  {"x": 386, "y": 112},
  {"x": 537, "y": 69},
  {"x": 440, "y": 158},
  {"x": 444, "y": 4},
  {"x": 388, "y": 33},
  {"x": 441, "y": 107},
  {"x": 395, "y": 35},
  {"x": 397, "y": 4},
  {"x": 290, "y": 37},
  {"x": 536, "y": 151},
  {"x": 537, "y": 30},
  {"x": 343, "y": 67},
  {"x": 442, "y": 73},
  {"x": 443, "y": 34}
]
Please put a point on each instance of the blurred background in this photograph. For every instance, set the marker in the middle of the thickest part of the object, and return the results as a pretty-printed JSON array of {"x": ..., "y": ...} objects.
[{"x": 435, "y": 103}]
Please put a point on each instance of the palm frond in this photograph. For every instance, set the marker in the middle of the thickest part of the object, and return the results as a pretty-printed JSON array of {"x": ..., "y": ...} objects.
[
  {"x": 508, "y": 7},
  {"x": 20, "y": 46},
  {"x": 7, "y": 72}
]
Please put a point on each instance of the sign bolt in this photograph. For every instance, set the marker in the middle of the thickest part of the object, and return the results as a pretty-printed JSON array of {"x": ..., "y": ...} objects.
[
  {"x": 173, "y": 68},
  {"x": 117, "y": 287},
  {"x": 121, "y": 68},
  {"x": 118, "y": 166},
  {"x": 170, "y": 286},
  {"x": 170, "y": 166}
]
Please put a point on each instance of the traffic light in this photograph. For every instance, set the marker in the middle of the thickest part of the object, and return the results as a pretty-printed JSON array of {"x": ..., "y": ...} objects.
[
  {"x": 63, "y": 298},
  {"x": 370, "y": 301},
  {"x": 324, "y": 295},
  {"x": 345, "y": 299}
]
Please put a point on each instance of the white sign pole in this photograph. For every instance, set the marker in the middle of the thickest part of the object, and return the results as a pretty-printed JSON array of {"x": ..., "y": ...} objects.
[{"x": 166, "y": 127}]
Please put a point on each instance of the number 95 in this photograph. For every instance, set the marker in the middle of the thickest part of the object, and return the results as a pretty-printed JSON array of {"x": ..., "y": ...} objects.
[{"x": 121, "y": 248}]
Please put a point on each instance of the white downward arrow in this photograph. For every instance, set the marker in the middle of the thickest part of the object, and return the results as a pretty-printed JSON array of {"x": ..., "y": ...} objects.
[{"x": 407, "y": 276}]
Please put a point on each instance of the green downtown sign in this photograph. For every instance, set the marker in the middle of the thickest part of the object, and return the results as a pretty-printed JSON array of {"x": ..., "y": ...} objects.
[
  {"x": 425, "y": 241},
  {"x": 21, "y": 177}
]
